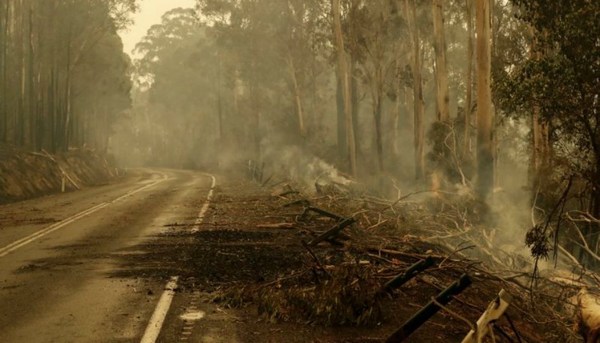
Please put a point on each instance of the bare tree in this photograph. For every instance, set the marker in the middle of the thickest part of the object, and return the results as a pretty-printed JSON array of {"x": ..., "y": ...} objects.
[
  {"x": 539, "y": 128},
  {"x": 345, "y": 80},
  {"x": 419, "y": 110},
  {"x": 469, "y": 77},
  {"x": 485, "y": 155},
  {"x": 441, "y": 68}
]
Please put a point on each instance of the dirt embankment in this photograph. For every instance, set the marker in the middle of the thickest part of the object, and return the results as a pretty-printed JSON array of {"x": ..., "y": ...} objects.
[{"x": 26, "y": 174}]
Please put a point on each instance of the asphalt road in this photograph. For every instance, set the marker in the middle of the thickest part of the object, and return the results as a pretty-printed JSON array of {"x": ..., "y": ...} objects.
[{"x": 59, "y": 257}]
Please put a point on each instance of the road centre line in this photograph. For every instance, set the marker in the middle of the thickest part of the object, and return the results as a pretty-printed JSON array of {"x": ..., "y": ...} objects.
[
  {"x": 56, "y": 226},
  {"x": 164, "y": 303}
]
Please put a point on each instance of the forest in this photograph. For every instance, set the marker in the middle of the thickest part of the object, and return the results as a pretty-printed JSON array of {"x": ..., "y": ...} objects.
[
  {"x": 496, "y": 99},
  {"x": 493, "y": 100},
  {"x": 63, "y": 73}
]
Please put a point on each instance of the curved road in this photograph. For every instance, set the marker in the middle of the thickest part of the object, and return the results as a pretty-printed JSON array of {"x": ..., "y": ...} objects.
[{"x": 59, "y": 257}]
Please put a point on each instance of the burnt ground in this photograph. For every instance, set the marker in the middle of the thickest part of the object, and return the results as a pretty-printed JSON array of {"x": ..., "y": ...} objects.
[{"x": 247, "y": 256}]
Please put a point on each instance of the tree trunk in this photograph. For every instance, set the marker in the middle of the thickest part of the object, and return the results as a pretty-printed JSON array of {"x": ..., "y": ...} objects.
[
  {"x": 595, "y": 203},
  {"x": 540, "y": 139},
  {"x": 342, "y": 141},
  {"x": 442, "y": 97},
  {"x": 255, "y": 134},
  {"x": 67, "y": 128},
  {"x": 31, "y": 90},
  {"x": 397, "y": 107},
  {"x": 22, "y": 110},
  {"x": 297, "y": 96},
  {"x": 345, "y": 80},
  {"x": 376, "y": 100},
  {"x": 419, "y": 110},
  {"x": 354, "y": 105},
  {"x": 4, "y": 59},
  {"x": 468, "y": 79},
  {"x": 537, "y": 143},
  {"x": 220, "y": 102},
  {"x": 485, "y": 159},
  {"x": 55, "y": 108},
  {"x": 377, "y": 111}
]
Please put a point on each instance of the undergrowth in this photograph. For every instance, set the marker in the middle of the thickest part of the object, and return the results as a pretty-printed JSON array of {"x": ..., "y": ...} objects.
[{"x": 346, "y": 298}]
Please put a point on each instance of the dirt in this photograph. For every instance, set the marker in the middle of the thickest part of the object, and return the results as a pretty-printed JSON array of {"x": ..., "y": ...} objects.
[{"x": 260, "y": 273}]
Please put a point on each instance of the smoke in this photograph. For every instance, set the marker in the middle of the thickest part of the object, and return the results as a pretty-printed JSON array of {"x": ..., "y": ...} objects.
[
  {"x": 511, "y": 200},
  {"x": 302, "y": 167}
]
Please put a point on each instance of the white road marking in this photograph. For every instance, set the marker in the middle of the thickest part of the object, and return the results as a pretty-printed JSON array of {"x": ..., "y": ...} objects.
[
  {"x": 56, "y": 226},
  {"x": 204, "y": 208},
  {"x": 192, "y": 315},
  {"x": 160, "y": 313},
  {"x": 162, "y": 308}
]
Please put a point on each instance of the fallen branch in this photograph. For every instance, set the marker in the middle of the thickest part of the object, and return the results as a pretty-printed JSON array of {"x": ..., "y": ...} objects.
[
  {"x": 288, "y": 193},
  {"x": 407, "y": 275},
  {"x": 276, "y": 226},
  {"x": 322, "y": 212},
  {"x": 267, "y": 181},
  {"x": 302, "y": 202},
  {"x": 63, "y": 172},
  {"x": 331, "y": 233},
  {"x": 377, "y": 225},
  {"x": 431, "y": 308},
  {"x": 291, "y": 276},
  {"x": 315, "y": 258}
]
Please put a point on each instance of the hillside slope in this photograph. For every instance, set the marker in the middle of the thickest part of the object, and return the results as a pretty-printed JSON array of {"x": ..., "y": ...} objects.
[{"x": 26, "y": 174}]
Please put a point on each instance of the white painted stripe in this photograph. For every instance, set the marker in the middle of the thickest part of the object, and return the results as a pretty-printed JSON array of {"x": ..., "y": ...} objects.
[
  {"x": 162, "y": 308},
  {"x": 160, "y": 313},
  {"x": 56, "y": 226},
  {"x": 204, "y": 208}
]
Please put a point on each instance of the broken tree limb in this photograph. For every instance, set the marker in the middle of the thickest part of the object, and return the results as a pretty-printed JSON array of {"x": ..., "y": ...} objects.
[
  {"x": 255, "y": 172},
  {"x": 276, "y": 226},
  {"x": 290, "y": 192},
  {"x": 396, "y": 253},
  {"x": 494, "y": 311},
  {"x": 322, "y": 212},
  {"x": 302, "y": 202},
  {"x": 261, "y": 173},
  {"x": 63, "y": 172},
  {"x": 408, "y": 274},
  {"x": 454, "y": 314},
  {"x": 315, "y": 258},
  {"x": 283, "y": 190},
  {"x": 267, "y": 181},
  {"x": 430, "y": 309},
  {"x": 334, "y": 242},
  {"x": 588, "y": 315},
  {"x": 288, "y": 277},
  {"x": 331, "y": 233}
]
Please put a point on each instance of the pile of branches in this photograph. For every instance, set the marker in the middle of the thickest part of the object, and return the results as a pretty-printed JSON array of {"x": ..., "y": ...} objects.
[
  {"x": 342, "y": 281},
  {"x": 457, "y": 228},
  {"x": 335, "y": 287}
]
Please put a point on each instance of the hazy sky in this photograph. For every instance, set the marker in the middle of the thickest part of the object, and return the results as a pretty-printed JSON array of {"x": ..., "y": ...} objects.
[{"x": 148, "y": 15}]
